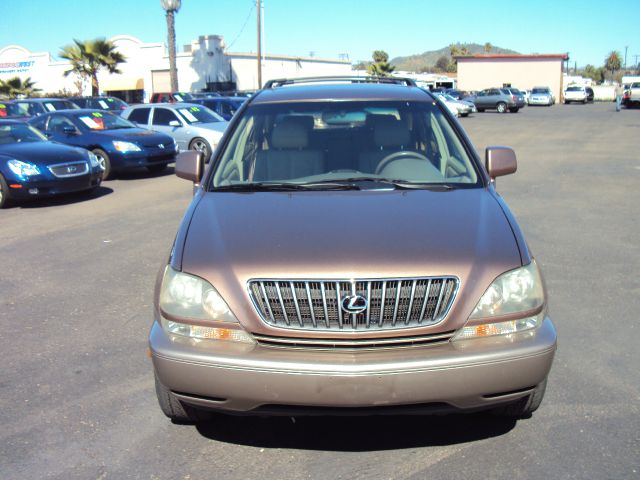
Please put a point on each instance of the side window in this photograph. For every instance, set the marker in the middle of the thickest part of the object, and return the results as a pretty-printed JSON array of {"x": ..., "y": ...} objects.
[
  {"x": 22, "y": 109},
  {"x": 57, "y": 124},
  {"x": 162, "y": 116},
  {"x": 40, "y": 123},
  {"x": 140, "y": 115}
]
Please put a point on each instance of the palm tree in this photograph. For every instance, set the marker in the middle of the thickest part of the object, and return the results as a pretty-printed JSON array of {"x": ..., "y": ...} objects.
[
  {"x": 613, "y": 62},
  {"x": 487, "y": 47},
  {"x": 89, "y": 57},
  {"x": 16, "y": 86},
  {"x": 380, "y": 66},
  {"x": 172, "y": 7}
]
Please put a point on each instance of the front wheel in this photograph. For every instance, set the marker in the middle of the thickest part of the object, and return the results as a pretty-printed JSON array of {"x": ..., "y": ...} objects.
[
  {"x": 4, "y": 193},
  {"x": 501, "y": 107},
  {"x": 174, "y": 408},
  {"x": 104, "y": 161},
  {"x": 201, "y": 145},
  {"x": 524, "y": 407},
  {"x": 514, "y": 109}
]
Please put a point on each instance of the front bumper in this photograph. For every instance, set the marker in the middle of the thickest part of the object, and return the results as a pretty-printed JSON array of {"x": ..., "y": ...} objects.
[
  {"x": 242, "y": 378},
  {"x": 44, "y": 186},
  {"x": 540, "y": 101},
  {"x": 145, "y": 158}
]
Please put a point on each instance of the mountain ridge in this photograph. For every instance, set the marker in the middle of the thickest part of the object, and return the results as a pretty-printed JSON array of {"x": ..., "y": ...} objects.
[{"x": 427, "y": 60}]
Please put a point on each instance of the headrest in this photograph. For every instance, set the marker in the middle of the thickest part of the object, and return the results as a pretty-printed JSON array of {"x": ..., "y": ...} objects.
[
  {"x": 389, "y": 132},
  {"x": 291, "y": 133}
]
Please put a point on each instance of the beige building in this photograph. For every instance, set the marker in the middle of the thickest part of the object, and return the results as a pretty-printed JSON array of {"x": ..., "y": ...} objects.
[{"x": 477, "y": 72}]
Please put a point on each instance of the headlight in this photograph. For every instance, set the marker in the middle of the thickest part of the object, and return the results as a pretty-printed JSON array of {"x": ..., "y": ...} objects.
[
  {"x": 192, "y": 298},
  {"x": 23, "y": 169},
  {"x": 125, "y": 147},
  {"x": 513, "y": 292},
  {"x": 93, "y": 160}
]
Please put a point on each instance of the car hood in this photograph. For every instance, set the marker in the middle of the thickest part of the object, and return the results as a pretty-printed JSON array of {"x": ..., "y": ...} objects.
[
  {"x": 43, "y": 153},
  {"x": 219, "y": 127},
  {"x": 235, "y": 237},
  {"x": 140, "y": 135}
]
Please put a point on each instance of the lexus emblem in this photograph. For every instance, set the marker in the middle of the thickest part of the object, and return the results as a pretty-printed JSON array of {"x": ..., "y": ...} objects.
[
  {"x": 354, "y": 304},
  {"x": 160, "y": 145}
]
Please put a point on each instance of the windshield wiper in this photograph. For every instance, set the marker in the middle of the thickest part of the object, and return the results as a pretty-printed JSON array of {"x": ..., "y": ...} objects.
[
  {"x": 385, "y": 182},
  {"x": 281, "y": 187}
]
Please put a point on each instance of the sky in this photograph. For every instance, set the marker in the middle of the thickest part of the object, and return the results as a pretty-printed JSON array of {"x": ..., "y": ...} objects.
[{"x": 587, "y": 30}]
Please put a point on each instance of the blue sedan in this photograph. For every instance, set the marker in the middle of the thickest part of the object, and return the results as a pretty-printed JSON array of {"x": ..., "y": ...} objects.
[
  {"x": 31, "y": 166},
  {"x": 226, "y": 107},
  {"x": 118, "y": 143}
]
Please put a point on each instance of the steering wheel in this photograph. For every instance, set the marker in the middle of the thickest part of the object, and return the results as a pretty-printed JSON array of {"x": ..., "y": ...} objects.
[{"x": 397, "y": 156}]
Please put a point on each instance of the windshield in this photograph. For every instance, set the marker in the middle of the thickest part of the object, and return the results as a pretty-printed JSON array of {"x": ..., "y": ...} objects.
[
  {"x": 182, "y": 96},
  {"x": 110, "y": 103},
  {"x": 199, "y": 114},
  {"x": 104, "y": 121},
  {"x": 54, "y": 105},
  {"x": 325, "y": 143},
  {"x": 19, "y": 133},
  {"x": 574, "y": 89}
]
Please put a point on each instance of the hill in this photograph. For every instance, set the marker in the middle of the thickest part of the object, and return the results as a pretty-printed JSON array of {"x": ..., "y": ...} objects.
[{"x": 427, "y": 60}]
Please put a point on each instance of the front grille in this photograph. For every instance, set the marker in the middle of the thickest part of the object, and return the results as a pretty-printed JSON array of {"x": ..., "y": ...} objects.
[
  {"x": 71, "y": 169},
  {"x": 317, "y": 304},
  {"x": 353, "y": 344}
]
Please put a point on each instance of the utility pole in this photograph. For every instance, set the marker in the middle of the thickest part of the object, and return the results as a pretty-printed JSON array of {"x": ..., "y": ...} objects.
[
  {"x": 626, "y": 47},
  {"x": 635, "y": 60},
  {"x": 259, "y": 56}
]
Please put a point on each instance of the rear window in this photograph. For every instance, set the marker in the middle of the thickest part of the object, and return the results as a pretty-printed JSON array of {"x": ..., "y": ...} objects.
[{"x": 574, "y": 89}]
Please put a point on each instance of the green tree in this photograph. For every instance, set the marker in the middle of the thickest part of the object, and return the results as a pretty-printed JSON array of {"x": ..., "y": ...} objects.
[
  {"x": 613, "y": 63},
  {"x": 88, "y": 57},
  {"x": 15, "y": 86},
  {"x": 380, "y": 66},
  {"x": 488, "y": 47},
  {"x": 442, "y": 63}
]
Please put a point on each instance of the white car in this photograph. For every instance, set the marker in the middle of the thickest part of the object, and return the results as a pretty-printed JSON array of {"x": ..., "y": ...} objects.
[
  {"x": 456, "y": 107},
  {"x": 193, "y": 127},
  {"x": 575, "y": 93},
  {"x": 541, "y": 96}
]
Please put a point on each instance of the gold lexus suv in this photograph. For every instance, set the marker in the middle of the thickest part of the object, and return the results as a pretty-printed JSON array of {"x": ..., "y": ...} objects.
[{"x": 346, "y": 252}]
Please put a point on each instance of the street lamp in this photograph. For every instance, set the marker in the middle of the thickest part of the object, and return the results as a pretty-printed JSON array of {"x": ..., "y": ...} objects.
[{"x": 171, "y": 7}]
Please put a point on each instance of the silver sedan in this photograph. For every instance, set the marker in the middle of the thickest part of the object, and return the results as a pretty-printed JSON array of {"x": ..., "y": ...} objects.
[{"x": 193, "y": 127}]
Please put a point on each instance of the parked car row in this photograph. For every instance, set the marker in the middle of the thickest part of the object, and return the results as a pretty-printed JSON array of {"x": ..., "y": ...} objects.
[{"x": 110, "y": 140}]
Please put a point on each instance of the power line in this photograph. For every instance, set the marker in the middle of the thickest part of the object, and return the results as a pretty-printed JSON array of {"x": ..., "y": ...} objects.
[{"x": 243, "y": 26}]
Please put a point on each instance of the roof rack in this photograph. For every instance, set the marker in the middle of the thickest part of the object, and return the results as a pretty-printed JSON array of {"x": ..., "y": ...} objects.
[{"x": 280, "y": 82}]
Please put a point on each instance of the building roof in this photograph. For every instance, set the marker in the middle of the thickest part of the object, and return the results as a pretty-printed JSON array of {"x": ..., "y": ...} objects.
[{"x": 513, "y": 56}]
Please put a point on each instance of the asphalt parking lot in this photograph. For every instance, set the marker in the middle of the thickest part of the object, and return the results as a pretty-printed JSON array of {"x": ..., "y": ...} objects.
[{"x": 76, "y": 388}]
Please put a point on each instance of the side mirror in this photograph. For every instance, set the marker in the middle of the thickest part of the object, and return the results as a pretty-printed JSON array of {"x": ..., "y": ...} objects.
[
  {"x": 190, "y": 165},
  {"x": 174, "y": 123},
  {"x": 500, "y": 161},
  {"x": 69, "y": 130}
]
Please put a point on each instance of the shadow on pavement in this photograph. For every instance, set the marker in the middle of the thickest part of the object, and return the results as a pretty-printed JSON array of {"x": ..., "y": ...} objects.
[
  {"x": 354, "y": 434},
  {"x": 139, "y": 173}
]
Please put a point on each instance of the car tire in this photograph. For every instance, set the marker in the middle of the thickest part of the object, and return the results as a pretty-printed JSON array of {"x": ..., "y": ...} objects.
[
  {"x": 104, "y": 161},
  {"x": 501, "y": 107},
  {"x": 201, "y": 145},
  {"x": 480, "y": 110},
  {"x": 4, "y": 193},
  {"x": 174, "y": 408},
  {"x": 157, "y": 168},
  {"x": 524, "y": 407},
  {"x": 514, "y": 109}
]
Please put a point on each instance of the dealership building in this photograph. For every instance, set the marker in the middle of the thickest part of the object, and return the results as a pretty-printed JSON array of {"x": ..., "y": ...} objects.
[
  {"x": 477, "y": 72},
  {"x": 205, "y": 64}
]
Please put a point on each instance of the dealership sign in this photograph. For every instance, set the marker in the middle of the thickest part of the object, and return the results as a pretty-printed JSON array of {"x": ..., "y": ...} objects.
[{"x": 16, "y": 67}]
